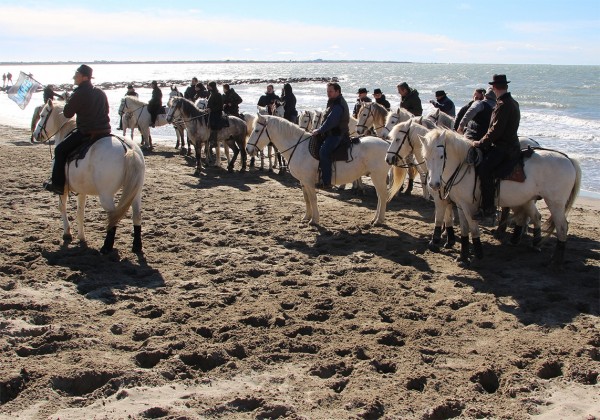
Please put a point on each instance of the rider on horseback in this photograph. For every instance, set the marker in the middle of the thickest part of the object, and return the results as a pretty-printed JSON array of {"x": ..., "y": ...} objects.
[
  {"x": 215, "y": 109},
  {"x": 155, "y": 103},
  {"x": 91, "y": 106},
  {"x": 334, "y": 128},
  {"x": 231, "y": 101},
  {"x": 500, "y": 143}
]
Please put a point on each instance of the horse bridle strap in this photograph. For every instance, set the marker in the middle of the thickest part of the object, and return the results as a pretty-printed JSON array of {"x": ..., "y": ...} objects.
[{"x": 447, "y": 185}]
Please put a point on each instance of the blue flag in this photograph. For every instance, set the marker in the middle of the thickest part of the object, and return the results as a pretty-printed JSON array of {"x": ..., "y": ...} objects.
[{"x": 21, "y": 91}]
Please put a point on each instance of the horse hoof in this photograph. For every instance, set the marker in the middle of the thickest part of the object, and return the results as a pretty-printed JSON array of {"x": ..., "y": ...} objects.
[
  {"x": 105, "y": 250},
  {"x": 463, "y": 263},
  {"x": 136, "y": 249},
  {"x": 230, "y": 169},
  {"x": 67, "y": 237},
  {"x": 449, "y": 244},
  {"x": 433, "y": 247}
]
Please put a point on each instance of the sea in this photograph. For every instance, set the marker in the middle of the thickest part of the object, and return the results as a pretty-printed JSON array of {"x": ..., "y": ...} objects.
[{"x": 560, "y": 105}]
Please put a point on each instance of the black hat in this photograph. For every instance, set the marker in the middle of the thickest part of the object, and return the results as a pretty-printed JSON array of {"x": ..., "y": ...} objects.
[
  {"x": 154, "y": 82},
  {"x": 376, "y": 91},
  {"x": 129, "y": 86},
  {"x": 362, "y": 90},
  {"x": 499, "y": 79},
  {"x": 85, "y": 70},
  {"x": 439, "y": 93}
]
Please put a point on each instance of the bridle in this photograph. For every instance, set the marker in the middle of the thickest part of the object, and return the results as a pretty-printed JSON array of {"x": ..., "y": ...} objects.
[
  {"x": 370, "y": 114},
  {"x": 176, "y": 106},
  {"x": 45, "y": 122},
  {"x": 452, "y": 181},
  {"x": 266, "y": 131},
  {"x": 122, "y": 109}
]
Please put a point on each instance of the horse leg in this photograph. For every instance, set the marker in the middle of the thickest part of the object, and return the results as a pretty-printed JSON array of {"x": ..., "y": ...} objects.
[
  {"x": 463, "y": 260},
  {"x": 380, "y": 183},
  {"x": 557, "y": 212},
  {"x": 107, "y": 202},
  {"x": 81, "y": 200},
  {"x": 440, "y": 212},
  {"x": 270, "y": 155},
  {"x": 62, "y": 207},
  {"x": 236, "y": 151},
  {"x": 411, "y": 180},
  {"x": 449, "y": 223},
  {"x": 198, "y": 159},
  {"x": 244, "y": 155},
  {"x": 426, "y": 194},
  {"x": 136, "y": 209},
  {"x": 502, "y": 223},
  {"x": 311, "y": 194}
]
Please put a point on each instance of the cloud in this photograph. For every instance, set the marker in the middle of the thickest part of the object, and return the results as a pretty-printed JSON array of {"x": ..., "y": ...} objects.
[{"x": 170, "y": 34}]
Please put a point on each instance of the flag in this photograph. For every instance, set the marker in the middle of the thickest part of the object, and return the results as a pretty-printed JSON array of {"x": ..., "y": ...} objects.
[{"x": 21, "y": 91}]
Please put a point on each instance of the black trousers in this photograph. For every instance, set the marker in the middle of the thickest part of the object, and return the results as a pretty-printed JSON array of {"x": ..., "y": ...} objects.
[
  {"x": 61, "y": 152},
  {"x": 491, "y": 160}
]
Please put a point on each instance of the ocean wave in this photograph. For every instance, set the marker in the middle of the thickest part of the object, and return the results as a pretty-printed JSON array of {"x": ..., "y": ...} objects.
[
  {"x": 538, "y": 104},
  {"x": 559, "y": 126}
]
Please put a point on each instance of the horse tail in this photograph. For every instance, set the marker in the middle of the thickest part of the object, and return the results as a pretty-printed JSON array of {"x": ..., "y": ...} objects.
[
  {"x": 132, "y": 184},
  {"x": 398, "y": 176},
  {"x": 549, "y": 225}
]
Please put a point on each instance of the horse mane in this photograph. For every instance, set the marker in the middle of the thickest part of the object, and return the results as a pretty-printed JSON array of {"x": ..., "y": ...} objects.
[
  {"x": 379, "y": 110},
  {"x": 135, "y": 101},
  {"x": 289, "y": 129},
  {"x": 440, "y": 117},
  {"x": 189, "y": 108},
  {"x": 456, "y": 143}
]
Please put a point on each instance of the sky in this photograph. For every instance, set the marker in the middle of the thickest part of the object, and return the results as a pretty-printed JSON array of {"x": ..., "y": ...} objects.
[{"x": 500, "y": 32}]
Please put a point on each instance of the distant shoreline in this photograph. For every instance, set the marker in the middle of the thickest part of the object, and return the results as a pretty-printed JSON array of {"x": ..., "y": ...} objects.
[{"x": 206, "y": 62}]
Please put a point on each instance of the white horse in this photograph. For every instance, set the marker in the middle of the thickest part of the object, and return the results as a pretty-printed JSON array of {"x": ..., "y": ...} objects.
[
  {"x": 441, "y": 119},
  {"x": 549, "y": 174},
  {"x": 140, "y": 117},
  {"x": 367, "y": 159},
  {"x": 110, "y": 164},
  {"x": 407, "y": 150},
  {"x": 305, "y": 120},
  {"x": 198, "y": 130},
  {"x": 394, "y": 118}
]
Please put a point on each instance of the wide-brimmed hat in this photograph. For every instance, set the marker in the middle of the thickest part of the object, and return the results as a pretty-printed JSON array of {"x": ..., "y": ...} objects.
[
  {"x": 499, "y": 79},
  {"x": 362, "y": 90},
  {"x": 440, "y": 93},
  {"x": 129, "y": 86},
  {"x": 85, "y": 70},
  {"x": 376, "y": 91}
]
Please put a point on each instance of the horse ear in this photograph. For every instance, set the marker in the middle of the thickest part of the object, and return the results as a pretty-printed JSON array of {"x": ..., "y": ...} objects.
[{"x": 423, "y": 139}]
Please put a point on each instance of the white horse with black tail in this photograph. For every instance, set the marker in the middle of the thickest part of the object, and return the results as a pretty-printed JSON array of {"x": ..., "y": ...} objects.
[
  {"x": 138, "y": 116},
  {"x": 550, "y": 175},
  {"x": 111, "y": 164},
  {"x": 368, "y": 158}
]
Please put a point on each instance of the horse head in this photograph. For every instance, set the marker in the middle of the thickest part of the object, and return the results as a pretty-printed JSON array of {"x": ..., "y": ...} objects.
[
  {"x": 392, "y": 119},
  {"x": 257, "y": 141},
  {"x": 174, "y": 105},
  {"x": 365, "y": 118},
  {"x": 434, "y": 143},
  {"x": 305, "y": 120},
  {"x": 400, "y": 147}
]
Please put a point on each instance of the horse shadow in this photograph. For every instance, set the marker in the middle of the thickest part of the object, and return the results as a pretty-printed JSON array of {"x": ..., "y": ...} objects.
[
  {"x": 100, "y": 277},
  {"x": 213, "y": 177},
  {"x": 529, "y": 289},
  {"x": 402, "y": 249}
]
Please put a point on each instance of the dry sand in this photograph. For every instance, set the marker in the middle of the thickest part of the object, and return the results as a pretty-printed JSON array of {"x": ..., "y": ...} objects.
[{"x": 238, "y": 310}]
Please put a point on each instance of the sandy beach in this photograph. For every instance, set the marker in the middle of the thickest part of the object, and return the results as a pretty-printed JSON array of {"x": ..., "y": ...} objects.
[{"x": 236, "y": 309}]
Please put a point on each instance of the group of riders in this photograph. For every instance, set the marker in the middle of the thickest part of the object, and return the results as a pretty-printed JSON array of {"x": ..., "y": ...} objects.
[{"x": 491, "y": 120}]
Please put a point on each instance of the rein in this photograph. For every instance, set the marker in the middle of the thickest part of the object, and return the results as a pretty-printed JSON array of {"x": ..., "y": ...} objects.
[
  {"x": 452, "y": 181},
  {"x": 43, "y": 128},
  {"x": 412, "y": 148}
]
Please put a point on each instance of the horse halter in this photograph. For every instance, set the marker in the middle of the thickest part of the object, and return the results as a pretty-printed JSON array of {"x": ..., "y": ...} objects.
[
  {"x": 45, "y": 122},
  {"x": 394, "y": 118},
  {"x": 397, "y": 152},
  {"x": 370, "y": 113},
  {"x": 263, "y": 130}
]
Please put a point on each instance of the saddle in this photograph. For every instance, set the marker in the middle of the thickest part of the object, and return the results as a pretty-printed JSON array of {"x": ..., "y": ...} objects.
[
  {"x": 342, "y": 153},
  {"x": 81, "y": 151},
  {"x": 514, "y": 169}
]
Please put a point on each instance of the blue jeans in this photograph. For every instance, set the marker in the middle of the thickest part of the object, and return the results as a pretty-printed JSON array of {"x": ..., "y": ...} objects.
[{"x": 329, "y": 145}]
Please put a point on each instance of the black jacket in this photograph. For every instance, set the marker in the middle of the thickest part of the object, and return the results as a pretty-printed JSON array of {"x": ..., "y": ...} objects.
[
  {"x": 231, "y": 97},
  {"x": 91, "y": 106},
  {"x": 268, "y": 99},
  {"x": 383, "y": 102}
]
